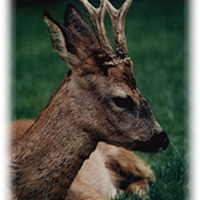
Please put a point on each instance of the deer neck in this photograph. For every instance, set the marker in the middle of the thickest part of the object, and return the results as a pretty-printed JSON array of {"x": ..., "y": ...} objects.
[{"x": 52, "y": 151}]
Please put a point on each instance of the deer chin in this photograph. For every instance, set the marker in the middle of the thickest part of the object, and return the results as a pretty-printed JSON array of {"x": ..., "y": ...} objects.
[{"x": 157, "y": 143}]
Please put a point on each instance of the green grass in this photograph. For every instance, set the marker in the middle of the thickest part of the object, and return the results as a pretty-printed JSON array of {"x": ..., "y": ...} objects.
[{"x": 155, "y": 36}]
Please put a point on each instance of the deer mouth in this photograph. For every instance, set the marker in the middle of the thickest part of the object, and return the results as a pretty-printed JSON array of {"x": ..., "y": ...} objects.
[{"x": 157, "y": 143}]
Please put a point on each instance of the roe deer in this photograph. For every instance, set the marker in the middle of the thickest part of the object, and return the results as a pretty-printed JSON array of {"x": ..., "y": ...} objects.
[
  {"x": 106, "y": 170},
  {"x": 97, "y": 101}
]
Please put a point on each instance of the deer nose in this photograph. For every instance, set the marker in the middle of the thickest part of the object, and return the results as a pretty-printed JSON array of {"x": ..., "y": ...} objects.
[
  {"x": 157, "y": 143},
  {"x": 161, "y": 141}
]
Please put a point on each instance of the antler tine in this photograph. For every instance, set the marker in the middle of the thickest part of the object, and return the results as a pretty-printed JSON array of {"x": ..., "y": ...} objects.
[
  {"x": 96, "y": 16},
  {"x": 118, "y": 21}
]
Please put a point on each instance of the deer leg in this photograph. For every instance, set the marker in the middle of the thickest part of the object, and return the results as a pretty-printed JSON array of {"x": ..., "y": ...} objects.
[
  {"x": 140, "y": 170},
  {"x": 134, "y": 173},
  {"x": 82, "y": 191},
  {"x": 141, "y": 188}
]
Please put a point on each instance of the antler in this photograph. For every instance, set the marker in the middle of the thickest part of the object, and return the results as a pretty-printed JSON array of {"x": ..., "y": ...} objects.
[
  {"x": 96, "y": 16},
  {"x": 118, "y": 21}
]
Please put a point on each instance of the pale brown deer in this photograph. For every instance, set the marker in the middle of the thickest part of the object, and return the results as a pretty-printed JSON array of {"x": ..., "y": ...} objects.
[
  {"x": 108, "y": 169},
  {"x": 97, "y": 101}
]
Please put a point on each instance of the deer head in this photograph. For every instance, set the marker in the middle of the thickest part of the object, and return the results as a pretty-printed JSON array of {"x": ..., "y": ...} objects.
[{"x": 103, "y": 88}]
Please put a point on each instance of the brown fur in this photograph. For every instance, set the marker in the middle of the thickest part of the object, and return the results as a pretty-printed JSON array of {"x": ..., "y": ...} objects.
[
  {"x": 85, "y": 110},
  {"x": 18, "y": 129},
  {"x": 99, "y": 176}
]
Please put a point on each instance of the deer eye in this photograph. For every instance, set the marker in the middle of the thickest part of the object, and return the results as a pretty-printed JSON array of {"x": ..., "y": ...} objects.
[{"x": 127, "y": 102}]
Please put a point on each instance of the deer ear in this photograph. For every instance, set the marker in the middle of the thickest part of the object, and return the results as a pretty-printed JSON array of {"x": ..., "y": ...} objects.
[
  {"x": 57, "y": 34},
  {"x": 80, "y": 39},
  {"x": 73, "y": 41}
]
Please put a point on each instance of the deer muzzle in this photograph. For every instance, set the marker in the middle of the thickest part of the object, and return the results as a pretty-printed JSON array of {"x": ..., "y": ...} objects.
[{"x": 157, "y": 143}]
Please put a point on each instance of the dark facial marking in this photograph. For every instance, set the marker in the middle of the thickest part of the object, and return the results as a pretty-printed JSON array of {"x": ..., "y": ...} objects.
[
  {"x": 144, "y": 109},
  {"x": 128, "y": 77}
]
